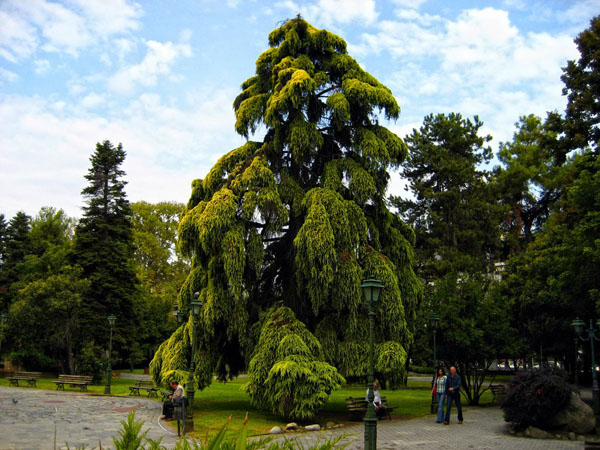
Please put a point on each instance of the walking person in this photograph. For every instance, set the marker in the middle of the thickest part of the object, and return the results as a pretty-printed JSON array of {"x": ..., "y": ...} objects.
[
  {"x": 439, "y": 390},
  {"x": 453, "y": 383}
]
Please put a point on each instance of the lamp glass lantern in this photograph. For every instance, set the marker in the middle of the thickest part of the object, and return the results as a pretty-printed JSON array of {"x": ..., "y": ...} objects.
[
  {"x": 371, "y": 290},
  {"x": 180, "y": 316},
  {"x": 434, "y": 321},
  {"x": 578, "y": 325},
  {"x": 196, "y": 307},
  {"x": 111, "y": 320},
  {"x": 3, "y": 318}
]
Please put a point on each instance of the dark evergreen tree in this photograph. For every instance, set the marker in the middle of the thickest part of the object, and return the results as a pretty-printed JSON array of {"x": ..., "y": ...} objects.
[
  {"x": 456, "y": 219},
  {"x": 17, "y": 245},
  {"x": 582, "y": 87},
  {"x": 104, "y": 248}
]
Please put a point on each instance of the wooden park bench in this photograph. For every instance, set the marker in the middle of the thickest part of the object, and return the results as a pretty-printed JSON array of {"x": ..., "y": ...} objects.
[
  {"x": 358, "y": 407},
  {"x": 145, "y": 386},
  {"x": 30, "y": 377},
  {"x": 498, "y": 392},
  {"x": 80, "y": 381}
]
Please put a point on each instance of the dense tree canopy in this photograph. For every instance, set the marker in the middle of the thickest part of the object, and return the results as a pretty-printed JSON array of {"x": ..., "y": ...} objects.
[{"x": 299, "y": 218}]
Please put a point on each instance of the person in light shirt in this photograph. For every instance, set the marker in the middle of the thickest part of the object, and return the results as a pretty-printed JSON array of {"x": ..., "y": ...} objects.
[
  {"x": 440, "y": 392},
  {"x": 379, "y": 407}
]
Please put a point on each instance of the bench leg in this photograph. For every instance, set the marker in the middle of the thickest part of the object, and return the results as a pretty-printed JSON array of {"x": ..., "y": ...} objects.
[{"x": 60, "y": 387}]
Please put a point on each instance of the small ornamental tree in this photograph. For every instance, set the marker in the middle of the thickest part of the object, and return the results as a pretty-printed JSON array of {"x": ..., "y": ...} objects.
[
  {"x": 288, "y": 373},
  {"x": 300, "y": 217}
]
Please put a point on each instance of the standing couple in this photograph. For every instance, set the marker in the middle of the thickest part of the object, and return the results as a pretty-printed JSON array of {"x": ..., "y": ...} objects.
[{"x": 447, "y": 388}]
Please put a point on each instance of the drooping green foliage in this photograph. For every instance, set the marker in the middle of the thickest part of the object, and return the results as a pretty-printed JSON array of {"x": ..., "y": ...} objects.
[
  {"x": 104, "y": 248},
  {"x": 299, "y": 218},
  {"x": 287, "y": 372}
]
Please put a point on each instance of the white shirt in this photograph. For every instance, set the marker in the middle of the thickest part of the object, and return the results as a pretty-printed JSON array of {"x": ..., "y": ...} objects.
[{"x": 376, "y": 398}]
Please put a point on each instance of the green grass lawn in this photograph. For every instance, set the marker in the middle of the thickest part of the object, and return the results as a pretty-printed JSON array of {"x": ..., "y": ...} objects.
[{"x": 219, "y": 401}]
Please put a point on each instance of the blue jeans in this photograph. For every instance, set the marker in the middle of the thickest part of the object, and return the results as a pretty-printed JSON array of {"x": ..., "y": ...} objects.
[
  {"x": 440, "y": 398},
  {"x": 453, "y": 397}
]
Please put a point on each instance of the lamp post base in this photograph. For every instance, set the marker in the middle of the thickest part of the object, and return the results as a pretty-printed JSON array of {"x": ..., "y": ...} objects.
[{"x": 370, "y": 433}]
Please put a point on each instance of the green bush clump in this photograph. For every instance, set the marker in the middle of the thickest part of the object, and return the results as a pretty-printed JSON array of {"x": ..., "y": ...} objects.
[
  {"x": 288, "y": 373},
  {"x": 91, "y": 361},
  {"x": 535, "y": 397}
]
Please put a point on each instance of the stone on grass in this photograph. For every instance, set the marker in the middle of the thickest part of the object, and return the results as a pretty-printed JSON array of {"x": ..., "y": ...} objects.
[
  {"x": 276, "y": 430},
  {"x": 315, "y": 427},
  {"x": 329, "y": 425},
  {"x": 291, "y": 426}
]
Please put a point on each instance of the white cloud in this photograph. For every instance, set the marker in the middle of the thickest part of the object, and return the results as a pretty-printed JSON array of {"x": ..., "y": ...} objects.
[
  {"x": 158, "y": 61},
  {"x": 46, "y": 146},
  {"x": 332, "y": 12},
  {"x": 55, "y": 27},
  {"x": 92, "y": 100},
  {"x": 41, "y": 66},
  {"x": 413, "y": 4},
  {"x": 7, "y": 75},
  {"x": 479, "y": 63}
]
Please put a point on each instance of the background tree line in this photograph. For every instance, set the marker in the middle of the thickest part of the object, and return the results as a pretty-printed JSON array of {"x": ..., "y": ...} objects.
[{"x": 60, "y": 278}]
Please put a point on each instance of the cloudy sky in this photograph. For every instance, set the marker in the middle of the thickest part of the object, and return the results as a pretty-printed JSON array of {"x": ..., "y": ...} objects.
[{"x": 160, "y": 77}]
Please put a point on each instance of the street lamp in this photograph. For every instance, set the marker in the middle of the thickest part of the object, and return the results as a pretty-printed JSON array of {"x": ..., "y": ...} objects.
[
  {"x": 579, "y": 325},
  {"x": 195, "y": 310},
  {"x": 111, "y": 322},
  {"x": 434, "y": 321},
  {"x": 371, "y": 290}
]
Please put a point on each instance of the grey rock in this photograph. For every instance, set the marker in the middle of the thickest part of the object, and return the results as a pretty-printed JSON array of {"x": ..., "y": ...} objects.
[
  {"x": 291, "y": 426},
  {"x": 315, "y": 427},
  {"x": 527, "y": 432},
  {"x": 276, "y": 430},
  {"x": 572, "y": 436},
  {"x": 538, "y": 433},
  {"x": 329, "y": 425},
  {"x": 577, "y": 417}
]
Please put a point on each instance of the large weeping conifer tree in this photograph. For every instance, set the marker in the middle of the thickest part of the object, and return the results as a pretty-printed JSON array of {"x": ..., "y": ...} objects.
[{"x": 295, "y": 221}]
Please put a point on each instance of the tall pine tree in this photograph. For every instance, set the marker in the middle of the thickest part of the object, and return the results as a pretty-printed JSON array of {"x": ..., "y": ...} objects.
[
  {"x": 104, "y": 248},
  {"x": 16, "y": 245}
]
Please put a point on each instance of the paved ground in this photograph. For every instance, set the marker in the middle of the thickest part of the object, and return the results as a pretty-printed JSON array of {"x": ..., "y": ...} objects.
[
  {"x": 79, "y": 419},
  {"x": 483, "y": 429},
  {"x": 82, "y": 419}
]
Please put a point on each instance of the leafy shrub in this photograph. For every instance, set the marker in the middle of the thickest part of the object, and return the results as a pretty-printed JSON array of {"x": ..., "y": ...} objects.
[
  {"x": 288, "y": 373},
  {"x": 390, "y": 363},
  {"x": 535, "y": 397},
  {"x": 91, "y": 361},
  {"x": 31, "y": 358}
]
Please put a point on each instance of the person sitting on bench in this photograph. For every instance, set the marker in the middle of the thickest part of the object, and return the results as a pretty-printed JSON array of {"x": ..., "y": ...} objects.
[
  {"x": 379, "y": 406},
  {"x": 178, "y": 396}
]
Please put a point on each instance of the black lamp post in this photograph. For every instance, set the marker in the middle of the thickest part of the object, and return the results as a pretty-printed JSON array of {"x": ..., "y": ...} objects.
[
  {"x": 434, "y": 321},
  {"x": 371, "y": 290},
  {"x": 111, "y": 322},
  {"x": 196, "y": 306},
  {"x": 578, "y": 325}
]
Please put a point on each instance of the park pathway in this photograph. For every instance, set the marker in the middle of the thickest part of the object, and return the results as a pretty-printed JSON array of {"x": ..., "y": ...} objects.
[
  {"x": 85, "y": 420},
  {"x": 29, "y": 417},
  {"x": 483, "y": 429}
]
